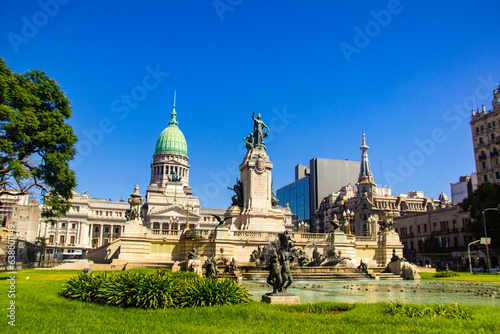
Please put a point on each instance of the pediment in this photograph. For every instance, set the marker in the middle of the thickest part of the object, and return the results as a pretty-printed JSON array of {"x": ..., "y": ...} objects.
[{"x": 170, "y": 211}]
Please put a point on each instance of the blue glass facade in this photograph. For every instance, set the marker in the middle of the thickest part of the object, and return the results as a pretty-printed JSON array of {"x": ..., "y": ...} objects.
[{"x": 297, "y": 194}]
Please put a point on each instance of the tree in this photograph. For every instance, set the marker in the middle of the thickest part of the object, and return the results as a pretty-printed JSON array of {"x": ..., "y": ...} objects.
[
  {"x": 432, "y": 248},
  {"x": 487, "y": 195},
  {"x": 36, "y": 145},
  {"x": 42, "y": 243}
]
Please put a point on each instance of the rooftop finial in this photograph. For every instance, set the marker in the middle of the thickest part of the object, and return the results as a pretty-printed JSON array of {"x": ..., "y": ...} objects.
[
  {"x": 173, "y": 114},
  {"x": 363, "y": 145}
]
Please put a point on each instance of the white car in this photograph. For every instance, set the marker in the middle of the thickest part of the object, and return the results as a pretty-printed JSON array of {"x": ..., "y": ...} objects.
[{"x": 494, "y": 269}]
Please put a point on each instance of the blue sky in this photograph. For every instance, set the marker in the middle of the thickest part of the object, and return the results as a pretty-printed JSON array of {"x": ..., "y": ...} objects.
[{"x": 320, "y": 72}]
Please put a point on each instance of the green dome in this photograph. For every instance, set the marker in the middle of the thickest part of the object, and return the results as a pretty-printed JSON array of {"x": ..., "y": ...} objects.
[{"x": 171, "y": 140}]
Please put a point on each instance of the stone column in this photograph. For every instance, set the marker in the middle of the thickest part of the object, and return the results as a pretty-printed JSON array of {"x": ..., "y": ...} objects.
[{"x": 100, "y": 243}]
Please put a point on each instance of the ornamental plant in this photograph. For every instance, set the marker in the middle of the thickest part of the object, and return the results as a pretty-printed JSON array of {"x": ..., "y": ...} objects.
[{"x": 162, "y": 289}]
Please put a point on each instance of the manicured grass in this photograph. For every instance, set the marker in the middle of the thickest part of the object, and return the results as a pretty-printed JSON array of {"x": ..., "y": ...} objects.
[
  {"x": 39, "y": 309},
  {"x": 465, "y": 277}
]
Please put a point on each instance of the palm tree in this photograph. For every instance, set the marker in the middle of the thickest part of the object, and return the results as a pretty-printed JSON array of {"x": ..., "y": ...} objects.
[{"x": 42, "y": 243}]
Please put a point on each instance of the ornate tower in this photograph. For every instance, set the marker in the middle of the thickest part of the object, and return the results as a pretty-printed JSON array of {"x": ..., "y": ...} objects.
[{"x": 366, "y": 188}]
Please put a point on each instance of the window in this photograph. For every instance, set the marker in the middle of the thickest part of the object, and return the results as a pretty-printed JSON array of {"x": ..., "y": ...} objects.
[
  {"x": 72, "y": 240},
  {"x": 497, "y": 175},
  {"x": 489, "y": 125},
  {"x": 61, "y": 239},
  {"x": 117, "y": 230},
  {"x": 446, "y": 242},
  {"x": 96, "y": 229},
  {"x": 52, "y": 225},
  {"x": 455, "y": 242},
  {"x": 51, "y": 239},
  {"x": 106, "y": 229},
  {"x": 425, "y": 228},
  {"x": 63, "y": 225},
  {"x": 73, "y": 226},
  {"x": 480, "y": 140},
  {"x": 485, "y": 178},
  {"x": 418, "y": 228},
  {"x": 483, "y": 164},
  {"x": 492, "y": 136},
  {"x": 477, "y": 129},
  {"x": 482, "y": 127},
  {"x": 455, "y": 226}
]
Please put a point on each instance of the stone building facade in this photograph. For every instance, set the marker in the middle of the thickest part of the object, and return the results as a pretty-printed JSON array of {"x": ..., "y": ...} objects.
[
  {"x": 369, "y": 204},
  {"x": 169, "y": 209},
  {"x": 25, "y": 218},
  {"x": 448, "y": 227},
  {"x": 485, "y": 128}
]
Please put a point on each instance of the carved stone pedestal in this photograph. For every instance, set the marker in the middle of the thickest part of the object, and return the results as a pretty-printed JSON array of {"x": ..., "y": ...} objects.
[{"x": 281, "y": 299}]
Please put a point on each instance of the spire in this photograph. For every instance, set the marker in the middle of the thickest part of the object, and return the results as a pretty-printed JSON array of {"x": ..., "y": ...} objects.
[
  {"x": 365, "y": 173},
  {"x": 173, "y": 114}
]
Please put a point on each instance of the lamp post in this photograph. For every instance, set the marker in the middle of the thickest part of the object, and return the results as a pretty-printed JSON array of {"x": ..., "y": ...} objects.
[
  {"x": 348, "y": 216},
  {"x": 372, "y": 220},
  {"x": 173, "y": 222},
  {"x": 486, "y": 235},
  {"x": 468, "y": 250},
  {"x": 301, "y": 226},
  {"x": 187, "y": 207}
]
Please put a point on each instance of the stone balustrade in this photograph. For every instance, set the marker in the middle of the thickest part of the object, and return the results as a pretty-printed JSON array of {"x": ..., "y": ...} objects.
[{"x": 162, "y": 233}]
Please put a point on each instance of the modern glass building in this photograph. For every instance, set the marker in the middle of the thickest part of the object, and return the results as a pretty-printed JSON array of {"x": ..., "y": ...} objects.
[
  {"x": 297, "y": 195},
  {"x": 314, "y": 182}
]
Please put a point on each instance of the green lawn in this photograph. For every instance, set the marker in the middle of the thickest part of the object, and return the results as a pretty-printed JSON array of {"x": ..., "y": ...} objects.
[
  {"x": 465, "y": 277},
  {"x": 39, "y": 309}
]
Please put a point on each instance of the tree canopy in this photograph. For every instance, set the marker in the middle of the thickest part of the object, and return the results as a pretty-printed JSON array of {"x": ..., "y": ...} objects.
[
  {"x": 486, "y": 196},
  {"x": 36, "y": 144}
]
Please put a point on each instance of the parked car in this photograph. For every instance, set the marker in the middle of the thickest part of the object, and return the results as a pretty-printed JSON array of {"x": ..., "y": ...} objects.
[
  {"x": 495, "y": 269},
  {"x": 476, "y": 269}
]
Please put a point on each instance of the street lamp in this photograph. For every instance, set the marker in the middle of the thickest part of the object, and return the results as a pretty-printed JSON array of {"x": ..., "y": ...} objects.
[
  {"x": 372, "y": 221},
  {"x": 173, "y": 222},
  {"x": 486, "y": 235},
  {"x": 301, "y": 226},
  {"x": 187, "y": 207},
  {"x": 468, "y": 250},
  {"x": 348, "y": 216}
]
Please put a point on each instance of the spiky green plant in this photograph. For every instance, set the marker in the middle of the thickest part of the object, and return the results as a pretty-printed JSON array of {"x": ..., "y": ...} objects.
[
  {"x": 210, "y": 292},
  {"x": 398, "y": 308},
  {"x": 84, "y": 286}
]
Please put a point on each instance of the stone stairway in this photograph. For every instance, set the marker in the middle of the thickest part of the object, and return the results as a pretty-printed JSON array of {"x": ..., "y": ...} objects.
[
  {"x": 78, "y": 265},
  {"x": 384, "y": 276}
]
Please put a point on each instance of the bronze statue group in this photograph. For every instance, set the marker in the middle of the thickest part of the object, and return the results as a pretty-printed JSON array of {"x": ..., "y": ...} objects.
[{"x": 280, "y": 276}]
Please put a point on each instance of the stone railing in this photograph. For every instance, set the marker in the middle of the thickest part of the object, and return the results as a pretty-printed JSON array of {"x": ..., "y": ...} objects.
[
  {"x": 247, "y": 234},
  {"x": 203, "y": 234},
  {"x": 312, "y": 236},
  {"x": 162, "y": 233},
  {"x": 366, "y": 239}
]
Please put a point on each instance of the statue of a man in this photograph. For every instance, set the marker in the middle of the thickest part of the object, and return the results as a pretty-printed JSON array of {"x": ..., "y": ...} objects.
[
  {"x": 258, "y": 131},
  {"x": 211, "y": 267},
  {"x": 275, "y": 278}
]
